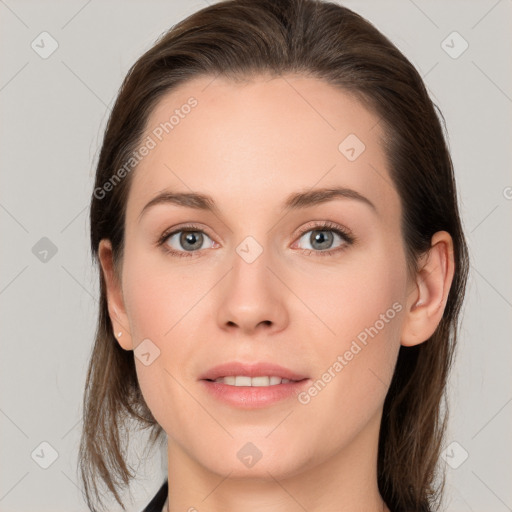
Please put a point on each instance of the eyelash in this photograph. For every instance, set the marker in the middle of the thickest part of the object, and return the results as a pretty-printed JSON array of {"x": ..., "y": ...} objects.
[{"x": 346, "y": 235}]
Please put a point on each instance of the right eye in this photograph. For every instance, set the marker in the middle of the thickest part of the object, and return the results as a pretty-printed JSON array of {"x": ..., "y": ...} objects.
[{"x": 188, "y": 239}]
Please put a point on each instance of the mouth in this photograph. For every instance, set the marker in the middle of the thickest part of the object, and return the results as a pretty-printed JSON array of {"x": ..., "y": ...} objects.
[
  {"x": 254, "y": 392},
  {"x": 252, "y": 385},
  {"x": 258, "y": 381},
  {"x": 254, "y": 374}
]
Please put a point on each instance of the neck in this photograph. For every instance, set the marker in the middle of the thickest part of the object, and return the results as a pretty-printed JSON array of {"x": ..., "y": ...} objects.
[{"x": 345, "y": 481}]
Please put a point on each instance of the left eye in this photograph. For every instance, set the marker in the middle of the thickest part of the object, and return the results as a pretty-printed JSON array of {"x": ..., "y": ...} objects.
[{"x": 322, "y": 239}]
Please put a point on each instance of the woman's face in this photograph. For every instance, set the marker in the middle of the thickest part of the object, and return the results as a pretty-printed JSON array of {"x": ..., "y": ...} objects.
[{"x": 254, "y": 282}]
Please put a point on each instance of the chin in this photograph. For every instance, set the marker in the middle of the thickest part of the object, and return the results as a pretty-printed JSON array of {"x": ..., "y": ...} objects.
[{"x": 262, "y": 459}]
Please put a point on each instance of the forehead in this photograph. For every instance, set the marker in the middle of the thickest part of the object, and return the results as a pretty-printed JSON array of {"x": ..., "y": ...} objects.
[{"x": 264, "y": 137}]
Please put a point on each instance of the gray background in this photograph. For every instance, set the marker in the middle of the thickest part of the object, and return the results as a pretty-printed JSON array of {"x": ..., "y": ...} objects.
[{"x": 54, "y": 112}]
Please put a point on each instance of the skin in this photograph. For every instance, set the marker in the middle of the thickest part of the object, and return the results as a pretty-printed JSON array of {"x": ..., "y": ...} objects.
[{"x": 249, "y": 145}]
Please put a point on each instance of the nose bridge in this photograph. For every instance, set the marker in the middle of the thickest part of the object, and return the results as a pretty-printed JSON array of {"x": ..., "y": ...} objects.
[
  {"x": 251, "y": 294},
  {"x": 250, "y": 275},
  {"x": 250, "y": 262}
]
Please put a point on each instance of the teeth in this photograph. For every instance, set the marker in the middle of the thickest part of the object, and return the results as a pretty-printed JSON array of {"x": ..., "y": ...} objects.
[{"x": 243, "y": 380}]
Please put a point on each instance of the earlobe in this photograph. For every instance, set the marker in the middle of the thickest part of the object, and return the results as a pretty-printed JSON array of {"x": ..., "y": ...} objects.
[
  {"x": 427, "y": 302},
  {"x": 116, "y": 308}
]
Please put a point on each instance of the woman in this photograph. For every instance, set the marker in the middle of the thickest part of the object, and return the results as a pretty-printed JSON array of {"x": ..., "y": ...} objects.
[{"x": 282, "y": 267}]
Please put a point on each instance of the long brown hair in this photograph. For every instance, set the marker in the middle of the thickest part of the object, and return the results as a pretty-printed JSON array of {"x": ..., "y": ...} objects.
[{"x": 241, "y": 38}]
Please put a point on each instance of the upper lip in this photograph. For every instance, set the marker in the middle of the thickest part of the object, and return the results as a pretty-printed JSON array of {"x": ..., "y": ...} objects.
[{"x": 250, "y": 370}]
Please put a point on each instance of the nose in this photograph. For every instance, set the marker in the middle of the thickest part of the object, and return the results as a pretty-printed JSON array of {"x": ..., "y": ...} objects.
[{"x": 252, "y": 298}]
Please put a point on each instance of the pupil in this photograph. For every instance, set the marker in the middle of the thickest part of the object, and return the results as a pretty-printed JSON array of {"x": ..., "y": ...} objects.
[
  {"x": 191, "y": 238},
  {"x": 320, "y": 237}
]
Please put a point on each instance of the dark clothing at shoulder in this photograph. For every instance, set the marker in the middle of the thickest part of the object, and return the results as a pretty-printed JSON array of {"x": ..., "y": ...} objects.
[{"x": 157, "y": 503}]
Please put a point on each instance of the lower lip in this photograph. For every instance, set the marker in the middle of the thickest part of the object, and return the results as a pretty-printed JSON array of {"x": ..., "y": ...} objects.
[{"x": 252, "y": 397}]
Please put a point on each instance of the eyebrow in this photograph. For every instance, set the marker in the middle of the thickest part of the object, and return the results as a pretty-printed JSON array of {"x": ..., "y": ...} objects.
[{"x": 295, "y": 201}]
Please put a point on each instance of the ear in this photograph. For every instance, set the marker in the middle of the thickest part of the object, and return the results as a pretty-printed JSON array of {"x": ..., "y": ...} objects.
[
  {"x": 427, "y": 302},
  {"x": 116, "y": 308}
]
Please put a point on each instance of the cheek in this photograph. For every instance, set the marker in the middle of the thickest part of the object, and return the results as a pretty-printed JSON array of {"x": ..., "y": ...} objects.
[
  {"x": 163, "y": 304},
  {"x": 356, "y": 294},
  {"x": 157, "y": 294},
  {"x": 361, "y": 307}
]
